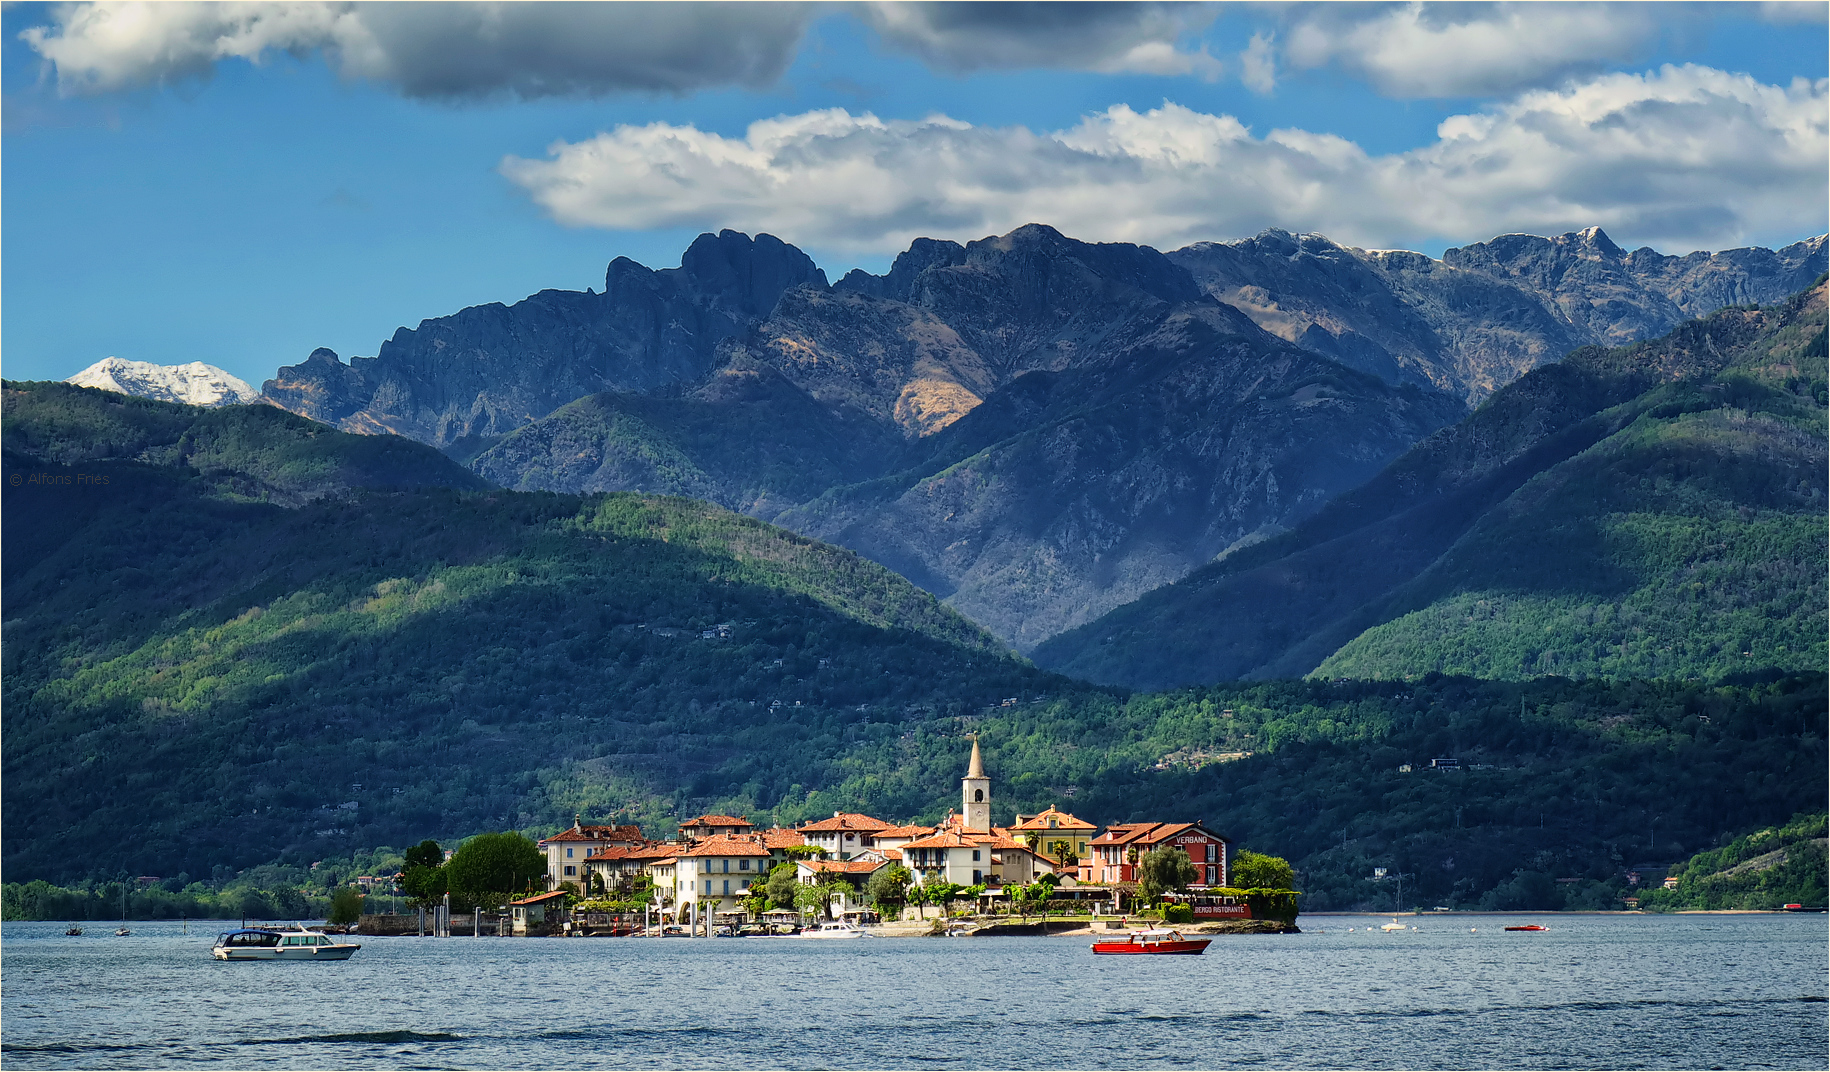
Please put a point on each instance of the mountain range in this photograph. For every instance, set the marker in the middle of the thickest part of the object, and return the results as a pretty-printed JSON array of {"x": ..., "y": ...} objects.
[{"x": 1036, "y": 429}]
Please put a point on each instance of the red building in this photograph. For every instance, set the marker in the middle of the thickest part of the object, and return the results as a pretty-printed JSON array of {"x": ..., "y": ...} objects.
[{"x": 1117, "y": 850}]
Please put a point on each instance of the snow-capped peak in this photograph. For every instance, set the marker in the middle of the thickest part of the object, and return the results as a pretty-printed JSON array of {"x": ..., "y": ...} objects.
[{"x": 195, "y": 384}]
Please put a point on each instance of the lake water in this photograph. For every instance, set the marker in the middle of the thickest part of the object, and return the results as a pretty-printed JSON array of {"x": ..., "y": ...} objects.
[{"x": 1592, "y": 992}]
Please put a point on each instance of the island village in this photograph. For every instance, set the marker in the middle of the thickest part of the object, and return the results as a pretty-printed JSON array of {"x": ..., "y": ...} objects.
[{"x": 724, "y": 876}]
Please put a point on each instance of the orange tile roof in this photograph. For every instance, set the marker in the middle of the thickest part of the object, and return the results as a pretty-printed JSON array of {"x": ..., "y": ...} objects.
[
  {"x": 539, "y": 897},
  {"x": 912, "y": 830},
  {"x": 950, "y": 839},
  {"x": 597, "y": 833},
  {"x": 718, "y": 820},
  {"x": 630, "y": 852},
  {"x": 1063, "y": 820},
  {"x": 1146, "y": 833},
  {"x": 846, "y": 821},
  {"x": 724, "y": 846},
  {"x": 781, "y": 839}
]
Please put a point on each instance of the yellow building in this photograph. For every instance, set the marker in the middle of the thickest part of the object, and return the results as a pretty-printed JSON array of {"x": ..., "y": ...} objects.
[{"x": 1051, "y": 826}]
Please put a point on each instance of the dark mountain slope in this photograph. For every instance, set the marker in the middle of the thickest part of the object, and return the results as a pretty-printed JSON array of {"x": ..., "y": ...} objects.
[
  {"x": 1198, "y": 438},
  {"x": 748, "y": 440},
  {"x": 1601, "y": 487}
]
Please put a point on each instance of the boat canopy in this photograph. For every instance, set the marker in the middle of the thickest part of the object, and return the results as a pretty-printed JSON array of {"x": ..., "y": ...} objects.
[{"x": 249, "y": 938}]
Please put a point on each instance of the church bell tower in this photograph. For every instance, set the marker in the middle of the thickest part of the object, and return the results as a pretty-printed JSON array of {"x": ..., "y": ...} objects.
[{"x": 975, "y": 794}]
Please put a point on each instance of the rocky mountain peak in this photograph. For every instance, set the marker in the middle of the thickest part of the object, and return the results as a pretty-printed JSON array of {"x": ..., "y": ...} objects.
[{"x": 746, "y": 274}]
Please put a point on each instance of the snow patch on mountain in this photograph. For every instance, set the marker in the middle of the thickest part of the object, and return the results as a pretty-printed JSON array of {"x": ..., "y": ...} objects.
[{"x": 195, "y": 384}]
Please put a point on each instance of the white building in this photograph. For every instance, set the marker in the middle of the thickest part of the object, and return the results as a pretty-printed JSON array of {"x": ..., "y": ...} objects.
[
  {"x": 844, "y": 835},
  {"x": 714, "y": 874}
]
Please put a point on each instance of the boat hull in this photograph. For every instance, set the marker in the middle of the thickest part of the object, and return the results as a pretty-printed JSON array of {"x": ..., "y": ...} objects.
[
  {"x": 321, "y": 952},
  {"x": 1187, "y": 948}
]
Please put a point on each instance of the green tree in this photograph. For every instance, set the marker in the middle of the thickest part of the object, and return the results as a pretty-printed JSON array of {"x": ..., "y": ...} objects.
[
  {"x": 917, "y": 895},
  {"x": 888, "y": 888},
  {"x": 818, "y": 895},
  {"x": 345, "y": 906},
  {"x": 1064, "y": 852},
  {"x": 423, "y": 873},
  {"x": 782, "y": 886},
  {"x": 942, "y": 894},
  {"x": 755, "y": 901},
  {"x": 1163, "y": 869},
  {"x": 1027, "y": 899},
  {"x": 489, "y": 868},
  {"x": 1255, "y": 871}
]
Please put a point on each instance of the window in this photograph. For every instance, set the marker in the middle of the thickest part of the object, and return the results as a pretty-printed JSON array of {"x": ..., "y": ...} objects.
[
  {"x": 743, "y": 865},
  {"x": 727, "y": 867},
  {"x": 975, "y": 858},
  {"x": 568, "y": 852},
  {"x": 978, "y": 796},
  {"x": 1213, "y": 876},
  {"x": 727, "y": 887},
  {"x": 708, "y": 887},
  {"x": 570, "y": 870},
  {"x": 1211, "y": 847},
  {"x": 975, "y": 877}
]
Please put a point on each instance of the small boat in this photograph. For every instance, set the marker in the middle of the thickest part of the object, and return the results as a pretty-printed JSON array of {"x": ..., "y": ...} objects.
[
  {"x": 836, "y": 929},
  {"x": 1528, "y": 927},
  {"x": 75, "y": 932},
  {"x": 1394, "y": 925},
  {"x": 121, "y": 932},
  {"x": 295, "y": 943},
  {"x": 1155, "y": 941}
]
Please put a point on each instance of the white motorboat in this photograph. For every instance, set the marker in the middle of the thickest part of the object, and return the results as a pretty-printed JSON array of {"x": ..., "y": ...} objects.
[
  {"x": 292, "y": 943},
  {"x": 836, "y": 929}
]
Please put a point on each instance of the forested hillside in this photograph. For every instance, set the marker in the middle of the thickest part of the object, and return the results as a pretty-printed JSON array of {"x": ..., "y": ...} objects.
[
  {"x": 1651, "y": 511},
  {"x": 1767, "y": 869},
  {"x": 197, "y": 681},
  {"x": 194, "y": 677}
]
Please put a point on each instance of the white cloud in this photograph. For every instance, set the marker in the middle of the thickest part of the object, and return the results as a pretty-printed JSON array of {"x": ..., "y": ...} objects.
[
  {"x": 1680, "y": 158},
  {"x": 471, "y": 50},
  {"x": 1460, "y": 50},
  {"x": 1105, "y": 37},
  {"x": 438, "y": 50},
  {"x": 1258, "y": 64}
]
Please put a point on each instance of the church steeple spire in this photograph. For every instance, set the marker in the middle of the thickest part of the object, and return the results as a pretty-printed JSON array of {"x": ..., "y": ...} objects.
[{"x": 975, "y": 793}]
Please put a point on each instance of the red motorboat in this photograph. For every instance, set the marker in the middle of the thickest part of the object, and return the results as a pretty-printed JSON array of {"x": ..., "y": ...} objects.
[
  {"x": 1157, "y": 941},
  {"x": 1528, "y": 927}
]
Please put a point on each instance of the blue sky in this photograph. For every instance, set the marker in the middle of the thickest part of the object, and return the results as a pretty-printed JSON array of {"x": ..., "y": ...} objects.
[{"x": 239, "y": 184}]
